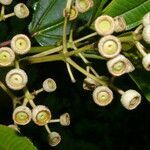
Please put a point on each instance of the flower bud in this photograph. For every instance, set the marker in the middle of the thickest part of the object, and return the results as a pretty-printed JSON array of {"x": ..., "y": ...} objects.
[
  {"x": 49, "y": 85},
  {"x": 130, "y": 99},
  {"x": 104, "y": 25},
  {"x": 6, "y": 2},
  {"x": 146, "y": 19},
  {"x": 89, "y": 84},
  {"x": 109, "y": 46},
  {"x": 22, "y": 115},
  {"x": 16, "y": 79},
  {"x": 120, "y": 24},
  {"x": 146, "y": 62},
  {"x": 83, "y": 5},
  {"x": 65, "y": 119},
  {"x": 41, "y": 115},
  {"x": 20, "y": 44},
  {"x": 7, "y": 56},
  {"x": 119, "y": 66},
  {"x": 102, "y": 96},
  {"x": 54, "y": 138},
  {"x": 21, "y": 10},
  {"x": 146, "y": 34}
]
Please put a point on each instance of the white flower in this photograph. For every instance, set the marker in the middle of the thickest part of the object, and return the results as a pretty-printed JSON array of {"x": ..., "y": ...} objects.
[
  {"x": 109, "y": 46},
  {"x": 41, "y": 115},
  {"x": 7, "y": 56},
  {"x": 20, "y": 44},
  {"x": 130, "y": 99},
  {"x": 22, "y": 115},
  {"x": 65, "y": 119},
  {"x": 119, "y": 66},
  {"x": 102, "y": 96},
  {"x": 120, "y": 24},
  {"x": 49, "y": 85},
  {"x": 21, "y": 10},
  {"x": 54, "y": 138},
  {"x": 16, "y": 79},
  {"x": 104, "y": 25},
  {"x": 83, "y": 5}
]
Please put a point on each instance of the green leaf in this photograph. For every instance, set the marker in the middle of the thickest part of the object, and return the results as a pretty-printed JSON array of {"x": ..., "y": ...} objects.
[
  {"x": 10, "y": 140},
  {"x": 132, "y": 10},
  {"x": 47, "y": 22},
  {"x": 142, "y": 80}
]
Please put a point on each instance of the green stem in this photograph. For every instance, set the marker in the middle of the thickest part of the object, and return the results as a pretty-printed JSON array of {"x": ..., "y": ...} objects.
[
  {"x": 83, "y": 71},
  {"x": 58, "y": 57},
  {"x": 59, "y": 48},
  {"x": 10, "y": 94}
]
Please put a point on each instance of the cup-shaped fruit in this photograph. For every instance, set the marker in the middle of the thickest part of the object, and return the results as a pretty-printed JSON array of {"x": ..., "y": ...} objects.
[
  {"x": 146, "y": 62},
  {"x": 65, "y": 119},
  {"x": 102, "y": 96},
  {"x": 120, "y": 24},
  {"x": 109, "y": 46},
  {"x": 49, "y": 85},
  {"x": 104, "y": 25},
  {"x": 146, "y": 34},
  {"x": 73, "y": 13},
  {"x": 119, "y": 65},
  {"x": 84, "y": 5},
  {"x": 130, "y": 99},
  {"x": 7, "y": 56},
  {"x": 22, "y": 115},
  {"x": 41, "y": 115},
  {"x": 6, "y": 2},
  {"x": 16, "y": 79},
  {"x": 54, "y": 139},
  {"x": 20, "y": 44},
  {"x": 146, "y": 19},
  {"x": 89, "y": 84},
  {"x": 21, "y": 10}
]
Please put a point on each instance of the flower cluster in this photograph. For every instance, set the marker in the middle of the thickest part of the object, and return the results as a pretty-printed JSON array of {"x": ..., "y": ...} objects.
[{"x": 109, "y": 47}]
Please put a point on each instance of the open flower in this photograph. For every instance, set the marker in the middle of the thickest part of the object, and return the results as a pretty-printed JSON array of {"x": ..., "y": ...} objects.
[
  {"x": 22, "y": 115},
  {"x": 130, "y": 99},
  {"x": 20, "y": 44},
  {"x": 119, "y": 66},
  {"x": 16, "y": 79},
  {"x": 109, "y": 46},
  {"x": 7, "y": 56},
  {"x": 104, "y": 25},
  {"x": 49, "y": 85},
  {"x": 21, "y": 10},
  {"x": 54, "y": 138},
  {"x": 41, "y": 115},
  {"x": 83, "y": 5},
  {"x": 102, "y": 96}
]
